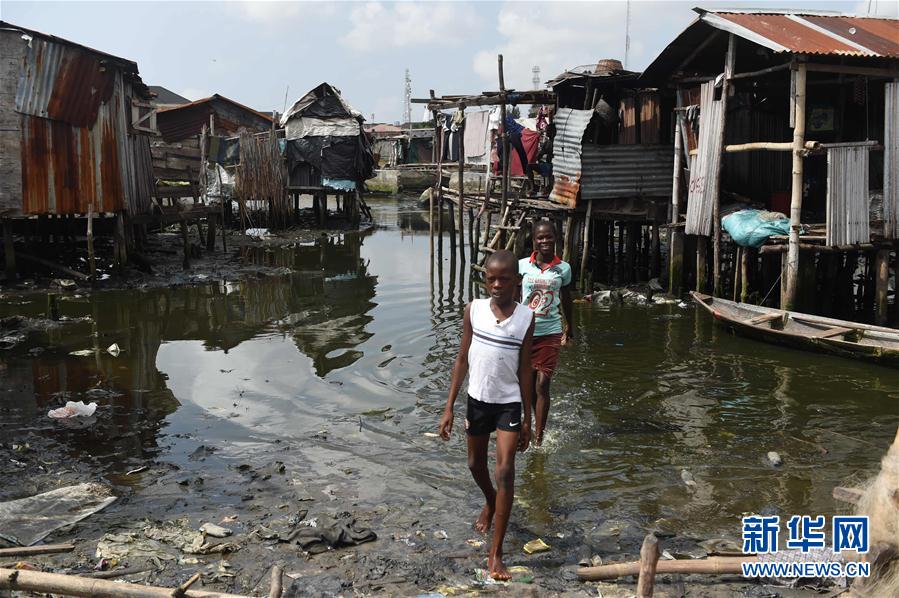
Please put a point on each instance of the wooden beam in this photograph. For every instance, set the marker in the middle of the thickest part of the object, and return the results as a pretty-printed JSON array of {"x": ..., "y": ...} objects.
[
  {"x": 771, "y": 69},
  {"x": 843, "y": 69}
]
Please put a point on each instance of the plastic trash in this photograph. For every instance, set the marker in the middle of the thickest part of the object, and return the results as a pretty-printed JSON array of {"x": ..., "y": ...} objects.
[
  {"x": 216, "y": 531},
  {"x": 441, "y": 535},
  {"x": 73, "y": 409},
  {"x": 257, "y": 233},
  {"x": 82, "y": 353},
  {"x": 114, "y": 349},
  {"x": 774, "y": 459},
  {"x": 535, "y": 546},
  {"x": 687, "y": 477}
]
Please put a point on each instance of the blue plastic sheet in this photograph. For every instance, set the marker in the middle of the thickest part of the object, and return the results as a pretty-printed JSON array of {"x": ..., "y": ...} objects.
[{"x": 751, "y": 228}]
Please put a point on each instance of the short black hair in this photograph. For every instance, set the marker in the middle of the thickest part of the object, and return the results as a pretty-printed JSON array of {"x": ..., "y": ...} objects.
[
  {"x": 502, "y": 258},
  {"x": 543, "y": 224}
]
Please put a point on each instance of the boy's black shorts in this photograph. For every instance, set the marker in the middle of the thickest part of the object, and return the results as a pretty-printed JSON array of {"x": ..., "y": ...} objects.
[{"x": 483, "y": 418}]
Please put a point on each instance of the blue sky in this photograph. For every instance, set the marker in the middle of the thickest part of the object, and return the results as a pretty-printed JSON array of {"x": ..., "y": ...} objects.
[{"x": 253, "y": 51}]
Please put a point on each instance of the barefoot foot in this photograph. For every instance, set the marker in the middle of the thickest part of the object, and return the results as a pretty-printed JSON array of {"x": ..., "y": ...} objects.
[
  {"x": 485, "y": 519},
  {"x": 498, "y": 569}
]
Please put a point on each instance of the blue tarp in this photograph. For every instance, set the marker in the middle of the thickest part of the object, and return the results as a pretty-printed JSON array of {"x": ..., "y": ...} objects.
[{"x": 751, "y": 228}]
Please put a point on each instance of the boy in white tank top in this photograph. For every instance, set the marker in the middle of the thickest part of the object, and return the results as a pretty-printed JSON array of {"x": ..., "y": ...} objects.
[{"x": 496, "y": 352}]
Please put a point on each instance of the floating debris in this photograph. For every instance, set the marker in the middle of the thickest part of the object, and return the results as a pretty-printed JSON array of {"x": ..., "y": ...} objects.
[{"x": 535, "y": 546}]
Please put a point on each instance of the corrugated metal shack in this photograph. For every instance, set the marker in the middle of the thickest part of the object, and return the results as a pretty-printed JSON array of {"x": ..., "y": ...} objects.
[
  {"x": 612, "y": 160},
  {"x": 74, "y": 137},
  {"x": 177, "y": 149},
  {"x": 790, "y": 112},
  {"x": 71, "y": 128}
]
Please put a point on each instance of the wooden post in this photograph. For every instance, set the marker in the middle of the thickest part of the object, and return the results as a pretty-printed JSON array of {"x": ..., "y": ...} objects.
[
  {"x": 461, "y": 133},
  {"x": 121, "y": 253},
  {"x": 655, "y": 252},
  {"x": 438, "y": 158},
  {"x": 504, "y": 188},
  {"x": 566, "y": 243},
  {"x": 738, "y": 260},
  {"x": 702, "y": 263},
  {"x": 789, "y": 281},
  {"x": 620, "y": 253},
  {"x": 90, "y": 241},
  {"x": 586, "y": 255},
  {"x": 630, "y": 256},
  {"x": 185, "y": 241},
  {"x": 649, "y": 559},
  {"x": 451, "y": 221},
  {"x": 210, "y": 231},
  {"x": 716, "y": 204},
  {"x": 323, "y": 210},
  {"x": 747, "y": 254},
  {"x": 676, "y": 235},
  {"x": 882, "y": 274}
]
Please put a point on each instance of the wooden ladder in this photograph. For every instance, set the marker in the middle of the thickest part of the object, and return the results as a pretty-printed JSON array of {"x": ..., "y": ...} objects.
[{"x": 503, "y": 226}]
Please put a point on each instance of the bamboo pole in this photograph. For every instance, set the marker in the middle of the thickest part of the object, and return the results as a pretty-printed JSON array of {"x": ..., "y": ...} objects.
[
  {"x": 649, "y": 559},
  {"x": 738, "y": 260},
  {"x": 71, "y": 585},
  {"x": 789, "y": 282},
  {"x": 277, "y": 584},
  {"x": 882, "y": 276},
  {"x": 438, "y": 151},
  {"x": 33, "y": 550},
  {"x": 91, "y": 258},
  {"x": 584, "y": 258},
  {"x": 566, "y": 243},
  {"x": 461, "y": 133},
  {"x": 676, "y": 237},
  {"x": 716, "y": 565},
  {"x": 744, "y": 272},
  {"x": 716, "y": 204},
  {"x": 504, "y": 187}
]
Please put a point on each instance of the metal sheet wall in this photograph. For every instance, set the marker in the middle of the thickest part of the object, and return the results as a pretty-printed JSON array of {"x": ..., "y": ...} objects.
[
  {"x": 75, "y": 145},
  {"x": 613, "y": 171},
  {"x": 570, "y": 127},
  {"x": 891, "y": 162},
  {"x": 847, "y": 196},
  {"x": 704, "y": 172}
]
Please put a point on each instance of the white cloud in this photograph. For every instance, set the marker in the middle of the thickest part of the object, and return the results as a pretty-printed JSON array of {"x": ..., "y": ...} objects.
[
  {"x": 406, "y": 24},
  {"x": 557, "y": 36}
]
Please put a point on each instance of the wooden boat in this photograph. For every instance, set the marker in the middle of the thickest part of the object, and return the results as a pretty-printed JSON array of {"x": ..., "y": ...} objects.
[{"x": 803, "y": 331}]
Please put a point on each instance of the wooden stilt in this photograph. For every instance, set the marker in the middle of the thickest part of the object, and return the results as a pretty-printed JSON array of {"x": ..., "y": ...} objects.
[
  {"x": 738, "y": 259},
  {"x": 882, "y": 277},
  {"x": 121, "y": 253},
  {"x": 9, "y": 250},
  {"x": 91, "y": 259},
  {"x": 323, "y": 211},
  {"x": 461, "y": 134},
  {"x": 630, "y": 256},
  {"x": 586, "y": 251},
  {"x": 566, "y": 243},
  {"x": 600, "y": 267},
  {"x": 451, "y": 222},
  {"x": 185, "y": 241},
  {"x": 649, "y": 559},
  {"x": 716, "y": 204},
  {"x": 747, "y": 255},
  {"x": 702, "y": 263},
  {"x": 505, "y": 139},
  {"x": 655, "y": 252},
  {"x": 789, "y": 283},
  {"x": 210, "y": 231},
  {"x": 619, "y": 258}
]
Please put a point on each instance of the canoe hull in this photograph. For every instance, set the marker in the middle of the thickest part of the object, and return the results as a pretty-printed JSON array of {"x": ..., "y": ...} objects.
[{"x": 881, "y": 345}]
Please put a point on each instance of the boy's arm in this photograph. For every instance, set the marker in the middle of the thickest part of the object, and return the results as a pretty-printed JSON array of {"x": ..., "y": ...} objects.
[
  {"x": 460, "y": 369},
  {"x": 526, "y": 385}
]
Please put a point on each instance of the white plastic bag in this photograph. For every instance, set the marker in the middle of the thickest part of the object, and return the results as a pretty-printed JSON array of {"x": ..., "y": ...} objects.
[{"x": 73, "y": 409}]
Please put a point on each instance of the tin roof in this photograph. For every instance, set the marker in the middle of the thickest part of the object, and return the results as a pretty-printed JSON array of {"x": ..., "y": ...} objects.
[
  {"x": 810, "y": 32},
  {"x": 129, "y": 67}
]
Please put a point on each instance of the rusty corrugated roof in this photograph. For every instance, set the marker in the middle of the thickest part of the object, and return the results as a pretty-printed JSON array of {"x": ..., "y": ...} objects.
[{"x": 810, "y": 33}]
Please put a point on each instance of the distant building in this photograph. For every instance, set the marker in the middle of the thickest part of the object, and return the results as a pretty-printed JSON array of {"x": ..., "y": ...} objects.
[{"x": 166, "y": 98}]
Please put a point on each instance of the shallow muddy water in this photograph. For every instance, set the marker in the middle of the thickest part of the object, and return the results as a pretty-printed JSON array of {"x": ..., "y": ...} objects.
[{"x": 346, "y": 360}]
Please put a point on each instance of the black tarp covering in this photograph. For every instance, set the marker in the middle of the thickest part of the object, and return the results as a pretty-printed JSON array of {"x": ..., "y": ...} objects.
[{"x": 335, "y": 157}]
